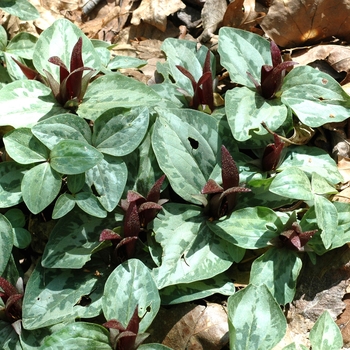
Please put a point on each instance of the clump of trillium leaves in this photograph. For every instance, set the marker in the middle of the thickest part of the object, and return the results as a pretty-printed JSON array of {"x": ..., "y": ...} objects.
[
  {"x": 271, "y": 77},
  {"x": 222, "y": 199},
  {"x": 70, "y": 89},
  {"x": 139, "y": 212},
  {"x": 203, "y": 97},
  {"x": 122, "y": 338}
]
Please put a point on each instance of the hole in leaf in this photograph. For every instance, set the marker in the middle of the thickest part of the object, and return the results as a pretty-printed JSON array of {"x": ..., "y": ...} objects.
[
  {"x": 194, "y": 143},
  {"x": 85, "y": 300}
]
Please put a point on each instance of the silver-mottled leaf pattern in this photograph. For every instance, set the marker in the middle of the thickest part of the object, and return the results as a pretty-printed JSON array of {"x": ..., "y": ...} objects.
[
  {"x": 186, "y": 168},
  {"x": 256, "y": 320},
  {"x": 278, "y": 269},
  {"x": 130, "y": 285},
  {"x": 73, "y": 240},
  {"x": 24, "y": 102},
  {"x": 191, "y": 252}
]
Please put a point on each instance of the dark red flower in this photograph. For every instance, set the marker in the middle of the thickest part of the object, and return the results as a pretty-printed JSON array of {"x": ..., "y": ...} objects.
[
  {"x": 222, "y": 199},
  {"x": 272, "y": 76},
  {"x": 203, "y": 89},
  {"x": 139, "y": 212}
]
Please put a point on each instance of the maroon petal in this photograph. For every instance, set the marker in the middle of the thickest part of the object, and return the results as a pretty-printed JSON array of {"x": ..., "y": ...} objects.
[
  {"x": 107, "y": 234},
  {"x": 275, "y": 54},
  {"x": 229, "y": 171},
  {"x": 272, "y": 154},
  {"x": 132, "y": 227},
  {"x": 148, "y": 206},
  {"x": 133, "y": 196},
  {"x": 76, "y": 60},
  {"x": 203, "y": 94},
  {"x": 211, "y": 187},
  {"x": 229, "y": 198},
  {"x": 134, "y": 322},
  {"x": 64, "y": 72},
  {"x": 154, "y": 193},
  {"x": 126, "y": 241},
  {"x": 273, "y": 81},
  {"x": 147, "y": 212},
  {"x": 114, "y": 324},
  {"x": 131, "y": 221},
  {"x": 7, "y": 287},
  {"x": 306, "y": 236},
  {"x": 31, "y": 74},
  {"x": 185, "y": 72},
  {"x": 253, "y": 80}
]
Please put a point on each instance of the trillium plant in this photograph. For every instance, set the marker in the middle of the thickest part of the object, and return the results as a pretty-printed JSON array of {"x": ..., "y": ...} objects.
[
  {"x": 272, "y": 76},
  {"x": 154, "y": 195}
]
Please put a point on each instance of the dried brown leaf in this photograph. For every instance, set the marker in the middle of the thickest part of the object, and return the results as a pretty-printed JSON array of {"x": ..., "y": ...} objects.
[
  {"x": 155, "y": 12},
  {"x": 293, "y": 23},
  {"x": 344, "y": 168},
  {"x": 191, "y": 327},
  {"x": 337, "y": 56},
  {"x": 212, "y": 15},
  {"x": 244, "y": 14}
]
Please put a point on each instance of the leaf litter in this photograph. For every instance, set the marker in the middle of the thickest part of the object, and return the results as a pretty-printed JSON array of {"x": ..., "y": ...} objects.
[{"x": 313, "y": 33}]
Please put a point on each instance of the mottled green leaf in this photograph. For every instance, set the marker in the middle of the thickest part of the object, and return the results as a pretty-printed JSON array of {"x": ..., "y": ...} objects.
[
  {"x": 25, "y": 148},
  {"x": 278, "y": 269},
  {"x": 293, "y": 183},
  {"x": 187, "y": 168},
  {"x": 327, "y": 219},
  {"x": 241, "y": 52},
  {"x": 325, "y": 334},
  {"x": 9, "y": 339},
  {"x": 137, "y": 289},
  {"x": 185, "y": 292},
  {"x": 11, "y": 175},
  {"x": 20, "y": 8},
  {"x": 256, "y": 321},
  {"x": 320, "y": 185},
  {"x": 54, "y": 295},
  {"x": 122, "y": 62},
  {"x": 115, "y": 90},
  {"x": 89, "y": 203},
  {"x": 260, "y": 195},
  {"x": 25, "y": 102},
  {"x": 63, "y": 205},
  {"x": 109, "y": 178},
  {"x": 249, "y": 228},
  {"x": 62, "y": 127},
  {"x": 40, "y": 186},
  {"x": 119, "y": 131},
  {"x": 22, "y": 45},
  {"x": 6, "y": 242},
  {"x": 75, "y": 182},
  {"x": 73, "y": 157},
  {"x": 21, "y": 237},
  {"x": 315, "y": 97},
  {"x": 191, "y": 252},
  {"x": 311, "y": 159},
  {"x": 74, "y": 239},
  {"x": 246, "y": 110},
  {"x": 147, "y": 172},
  {"x": 78, "y": 335}
]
